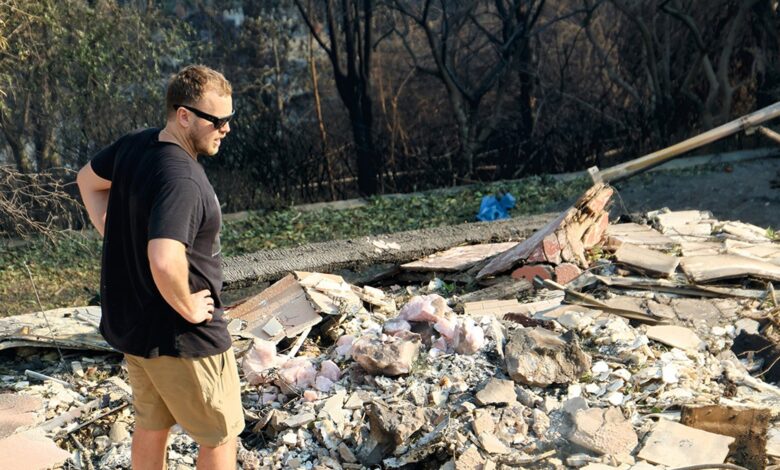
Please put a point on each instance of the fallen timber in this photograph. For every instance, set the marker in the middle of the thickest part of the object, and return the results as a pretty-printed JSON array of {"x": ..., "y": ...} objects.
[
  {"x": 271, "y": 265},
  {"x": 748, "y": 123}
]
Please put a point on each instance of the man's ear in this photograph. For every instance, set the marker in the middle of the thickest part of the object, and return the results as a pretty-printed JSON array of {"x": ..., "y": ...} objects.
[{"x": 183, "y": 117}]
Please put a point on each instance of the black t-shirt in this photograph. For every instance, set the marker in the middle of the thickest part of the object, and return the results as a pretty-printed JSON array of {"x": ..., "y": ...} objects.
[{"x": 157, "y": 191}]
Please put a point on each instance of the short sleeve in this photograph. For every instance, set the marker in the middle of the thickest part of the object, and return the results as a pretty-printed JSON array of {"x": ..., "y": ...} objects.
[
  {"x": 176, "y": 212},
  {"x": 103, "y": 161}
]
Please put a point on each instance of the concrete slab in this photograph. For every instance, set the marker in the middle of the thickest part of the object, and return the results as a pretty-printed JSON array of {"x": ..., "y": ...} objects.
[
  {"x": 459, "y": 258},
  {"x": 695, "y": 310},
  {"x": 646, "y": 259},
  {"x": 639, "y": 235},
  {"x": 17, "y": 411},
  {"x": 675, "y": 336},
  {"x": 30, "y": 450},
  {"x": 497, "y": 308}
]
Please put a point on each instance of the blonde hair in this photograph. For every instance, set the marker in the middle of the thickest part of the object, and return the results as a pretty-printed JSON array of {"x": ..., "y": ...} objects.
[{"x": 190, "y": 83}]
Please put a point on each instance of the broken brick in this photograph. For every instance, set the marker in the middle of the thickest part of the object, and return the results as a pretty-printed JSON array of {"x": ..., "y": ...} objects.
[
  {"x": 566, "y": 272},
  {"x": 528, "y": 272}
]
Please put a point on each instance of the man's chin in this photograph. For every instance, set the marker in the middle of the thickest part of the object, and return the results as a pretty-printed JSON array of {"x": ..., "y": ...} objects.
[{"x": 208, "y": 152}]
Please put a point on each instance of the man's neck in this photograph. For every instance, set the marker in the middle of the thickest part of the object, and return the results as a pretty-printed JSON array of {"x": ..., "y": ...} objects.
[{"x": 175, "y": 136}]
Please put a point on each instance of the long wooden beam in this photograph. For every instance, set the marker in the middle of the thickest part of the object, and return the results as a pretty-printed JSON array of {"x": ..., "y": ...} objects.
[{"x": 624, "y": 170}]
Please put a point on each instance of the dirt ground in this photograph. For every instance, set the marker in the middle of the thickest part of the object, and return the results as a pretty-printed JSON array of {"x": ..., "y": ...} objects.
[{"x": 747, "y": 191}]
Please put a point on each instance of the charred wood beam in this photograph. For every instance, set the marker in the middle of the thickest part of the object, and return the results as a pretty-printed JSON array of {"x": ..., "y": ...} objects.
[{"x": 638, "y": 165}]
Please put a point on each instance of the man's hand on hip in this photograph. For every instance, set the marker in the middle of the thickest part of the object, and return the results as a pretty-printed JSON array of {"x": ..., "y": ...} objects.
[{"x": 204, "y": 307}]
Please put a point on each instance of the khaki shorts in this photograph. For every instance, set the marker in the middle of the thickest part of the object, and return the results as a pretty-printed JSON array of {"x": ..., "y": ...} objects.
[{"x": 202, "y": 395}]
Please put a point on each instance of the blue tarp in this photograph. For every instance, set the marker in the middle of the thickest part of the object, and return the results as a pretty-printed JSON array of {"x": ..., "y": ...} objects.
[{"x": 495, "y": 207}]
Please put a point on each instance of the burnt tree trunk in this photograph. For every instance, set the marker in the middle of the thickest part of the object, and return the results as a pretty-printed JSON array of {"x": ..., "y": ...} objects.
[
  {"x": 445, "y": 24},
  {"x": 349, "y": 48}
]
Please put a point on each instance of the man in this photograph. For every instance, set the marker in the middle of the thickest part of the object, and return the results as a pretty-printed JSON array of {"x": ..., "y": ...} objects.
[{"x": 161, "y": 273}]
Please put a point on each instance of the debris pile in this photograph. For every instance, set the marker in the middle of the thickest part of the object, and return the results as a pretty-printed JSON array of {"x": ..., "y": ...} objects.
[{"x": 659, "y": 351}]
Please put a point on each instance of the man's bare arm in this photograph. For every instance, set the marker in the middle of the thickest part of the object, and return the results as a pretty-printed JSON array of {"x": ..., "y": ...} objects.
[
  {"x": 170, "y": 270},
  {"x": 94, "y": 193}
]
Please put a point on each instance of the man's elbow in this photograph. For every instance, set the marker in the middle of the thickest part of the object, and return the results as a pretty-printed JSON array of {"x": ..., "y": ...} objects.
[
  {"x": 166, "y": 257},
  {"x": 85, "y": 181},
  {"x": 89, "y": 182},
  {"x": 162, "y": 265}
]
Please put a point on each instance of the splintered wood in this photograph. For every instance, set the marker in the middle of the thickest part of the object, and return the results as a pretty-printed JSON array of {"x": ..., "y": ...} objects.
[
  {"x": 748, "y": 426},
  {"x": 565, "y": 239}
]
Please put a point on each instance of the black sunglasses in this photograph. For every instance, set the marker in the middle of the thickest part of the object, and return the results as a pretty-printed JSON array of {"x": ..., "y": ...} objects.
[{"x": 219, "y": 122}]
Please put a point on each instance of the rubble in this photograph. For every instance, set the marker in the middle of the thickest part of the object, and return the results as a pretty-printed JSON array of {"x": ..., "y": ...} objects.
[
  {"x": 675, "y": 336},
  {"x": 470, "y": 459},
  {"x": 539, "y": 358},
  {"x": 604, "y": 431},
  {"x": 646, "y": 260},
  {"x": 386, "y": 355},
  {"x": 628, "y": 361},
  {"x": 564, "y": 239},
  {"x": 497, "y": 392}
]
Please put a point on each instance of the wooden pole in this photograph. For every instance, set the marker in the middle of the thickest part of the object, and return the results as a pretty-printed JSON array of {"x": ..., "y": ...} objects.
[
  {"x": 769, "y": 133},
  {"x": 624, "y": 170}
]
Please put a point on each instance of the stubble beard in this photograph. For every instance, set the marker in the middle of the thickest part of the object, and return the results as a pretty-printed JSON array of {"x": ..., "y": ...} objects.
[{"x": 202, "y": 146}]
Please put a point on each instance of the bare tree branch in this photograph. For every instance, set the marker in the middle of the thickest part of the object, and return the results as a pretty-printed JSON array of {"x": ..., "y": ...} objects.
[{"x": 36, "y": 203}]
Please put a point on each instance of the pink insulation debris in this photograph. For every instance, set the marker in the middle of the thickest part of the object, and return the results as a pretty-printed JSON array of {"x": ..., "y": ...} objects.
[
  {"x": 323, "y": 384},
  {"x": 330, "y": 370},
  {"x": 424, "y": 308},
  {"x": 258, "y": 360},
  {"x": 393, "y": 326},
  {"x": 310, "y": 395},
  {"x": 387, "y": 355},
  {"x": 440, "y": 345},
  {"x": 448, "y": 327},
  {"x": 472, "y": 337},
  {"x": 458, "y": 333},
  {"x": 328, "y": 375},
  {"x": 298, "y": 372}
]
